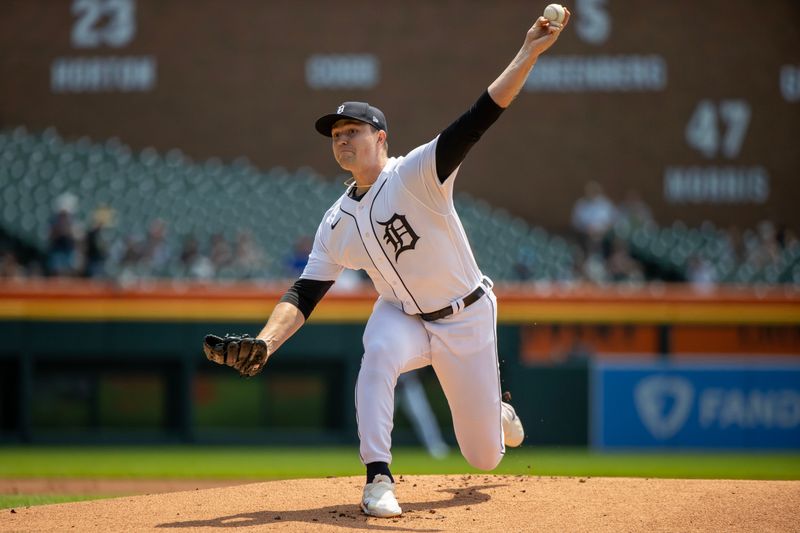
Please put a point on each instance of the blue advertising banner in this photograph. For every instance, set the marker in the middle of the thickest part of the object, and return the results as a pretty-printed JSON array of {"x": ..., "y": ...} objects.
[{"x": 691, "y": 405}]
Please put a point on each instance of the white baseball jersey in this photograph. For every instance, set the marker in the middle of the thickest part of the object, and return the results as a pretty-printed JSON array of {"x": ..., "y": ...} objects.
[{"x": 405, "y": 233}]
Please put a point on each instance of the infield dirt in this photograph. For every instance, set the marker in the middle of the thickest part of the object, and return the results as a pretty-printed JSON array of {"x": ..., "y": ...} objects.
[{"x": 483, "y": 503}]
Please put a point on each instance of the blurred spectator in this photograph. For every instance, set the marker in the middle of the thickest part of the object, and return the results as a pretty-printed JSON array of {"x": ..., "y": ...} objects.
[
  {"x": 10, "y": 267},
  {"x": 592, "y": 217},
  {"x": 221, "y": 254},
  {"x": 157, "y": 252},
  {"x": 593, "y": 268},
  {"x": 633, "y": 211},
  {"x": 524, "y": 264},
  {"x": 96, "y": 248},
  {"x": 128, "y": 252},
  {"x": 700, "y": 273},
  {"x": 297, "y": 260},
  {"x": 733, "y": 242},
  {"x": 765, "y": 248},
  {"x": 124, "y": 258},
  {"x": 247, "y": 255},
  {"x": 193, "y": 262},
  {"x": 62, "y": 256},
  {"x": 621, "y": 266}
]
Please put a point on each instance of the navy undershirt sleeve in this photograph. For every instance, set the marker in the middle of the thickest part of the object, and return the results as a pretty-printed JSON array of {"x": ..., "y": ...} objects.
[
  {"x": 305, "y": 294},
  {"x": 459, "y": 137}
]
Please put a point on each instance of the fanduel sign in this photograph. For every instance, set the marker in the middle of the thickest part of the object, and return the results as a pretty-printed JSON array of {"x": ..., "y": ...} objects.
[{"x": 696, "y": 405}]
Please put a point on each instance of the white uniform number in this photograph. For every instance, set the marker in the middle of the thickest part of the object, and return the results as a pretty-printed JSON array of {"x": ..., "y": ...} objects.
[
  {"x": 103, "y": 22},
  {"x": 593, "y": 23},
  {"x": 718, "y": 127}
]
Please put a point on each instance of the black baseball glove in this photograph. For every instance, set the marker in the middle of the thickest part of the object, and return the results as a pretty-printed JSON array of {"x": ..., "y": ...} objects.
[{"x": 242, "y": 352}]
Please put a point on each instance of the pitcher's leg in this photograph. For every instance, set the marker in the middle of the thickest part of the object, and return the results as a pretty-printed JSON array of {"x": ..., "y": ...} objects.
[
  {"x": 464, "y": 356},
  {"x": 393, "y": 343}
]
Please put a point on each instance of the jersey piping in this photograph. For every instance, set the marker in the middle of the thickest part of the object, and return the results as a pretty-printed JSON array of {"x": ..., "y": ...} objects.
[
  {"x": 497, "y": 365},
  {"x": 370, "y": 257},
  {"x": 388, "y": 260}
]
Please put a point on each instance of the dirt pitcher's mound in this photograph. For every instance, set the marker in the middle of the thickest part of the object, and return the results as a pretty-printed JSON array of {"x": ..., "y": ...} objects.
[{"x": 482, "y": 503}]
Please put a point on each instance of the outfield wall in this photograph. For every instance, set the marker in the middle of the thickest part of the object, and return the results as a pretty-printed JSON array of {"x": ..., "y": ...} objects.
[{"x": 99, "y": 362}]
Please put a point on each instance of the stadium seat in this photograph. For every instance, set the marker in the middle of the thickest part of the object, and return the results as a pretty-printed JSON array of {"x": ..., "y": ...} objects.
[{"x": 191, "y": 198}]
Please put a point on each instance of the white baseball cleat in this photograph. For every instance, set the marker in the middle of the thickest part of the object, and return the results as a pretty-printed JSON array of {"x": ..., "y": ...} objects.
[
  {"x": 378, "y": 499},
  {"x": 513, "y": 433}
]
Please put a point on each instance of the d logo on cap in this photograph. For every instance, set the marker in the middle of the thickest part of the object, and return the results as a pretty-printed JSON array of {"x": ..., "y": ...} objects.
[{"x": 358, "y": 111}]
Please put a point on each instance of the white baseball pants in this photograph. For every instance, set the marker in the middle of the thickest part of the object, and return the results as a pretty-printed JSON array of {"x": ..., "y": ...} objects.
[{"x": 462, "y": 349}]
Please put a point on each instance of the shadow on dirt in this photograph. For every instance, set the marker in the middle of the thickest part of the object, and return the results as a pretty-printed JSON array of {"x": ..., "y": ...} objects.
[{"x": 348, "y": 515}]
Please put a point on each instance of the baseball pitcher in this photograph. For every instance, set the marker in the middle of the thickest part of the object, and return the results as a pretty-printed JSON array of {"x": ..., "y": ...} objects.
[{"x": 396, "y": 221}]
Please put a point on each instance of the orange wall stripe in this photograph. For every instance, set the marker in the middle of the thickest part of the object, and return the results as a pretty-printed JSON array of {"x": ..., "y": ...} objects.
[{"x": 358, "y": 310}]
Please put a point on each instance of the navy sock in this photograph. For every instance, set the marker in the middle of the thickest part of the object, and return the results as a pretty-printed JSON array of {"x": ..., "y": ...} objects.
[{"x": 373, "y": 469}]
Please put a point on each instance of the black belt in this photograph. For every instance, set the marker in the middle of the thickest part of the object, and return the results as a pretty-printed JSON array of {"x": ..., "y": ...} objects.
[{"x": 468, "y": 300}]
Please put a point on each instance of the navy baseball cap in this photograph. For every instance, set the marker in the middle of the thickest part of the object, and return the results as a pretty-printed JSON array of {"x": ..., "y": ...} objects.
[{"x": 361, "y": 111}]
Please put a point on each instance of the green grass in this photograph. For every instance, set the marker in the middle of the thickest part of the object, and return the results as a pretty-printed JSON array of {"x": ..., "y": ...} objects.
[
  {"x": 263, "y": 463},
  {"x": 281, "y": 463},
  {"x": 11, "y": 501}
]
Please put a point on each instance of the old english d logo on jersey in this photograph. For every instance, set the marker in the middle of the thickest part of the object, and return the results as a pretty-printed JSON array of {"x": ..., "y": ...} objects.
[{"x": 399, "y": 234}]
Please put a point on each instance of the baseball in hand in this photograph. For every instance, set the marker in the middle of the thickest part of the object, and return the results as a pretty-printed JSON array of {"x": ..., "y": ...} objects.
[{"x": 555, "y": 13}]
